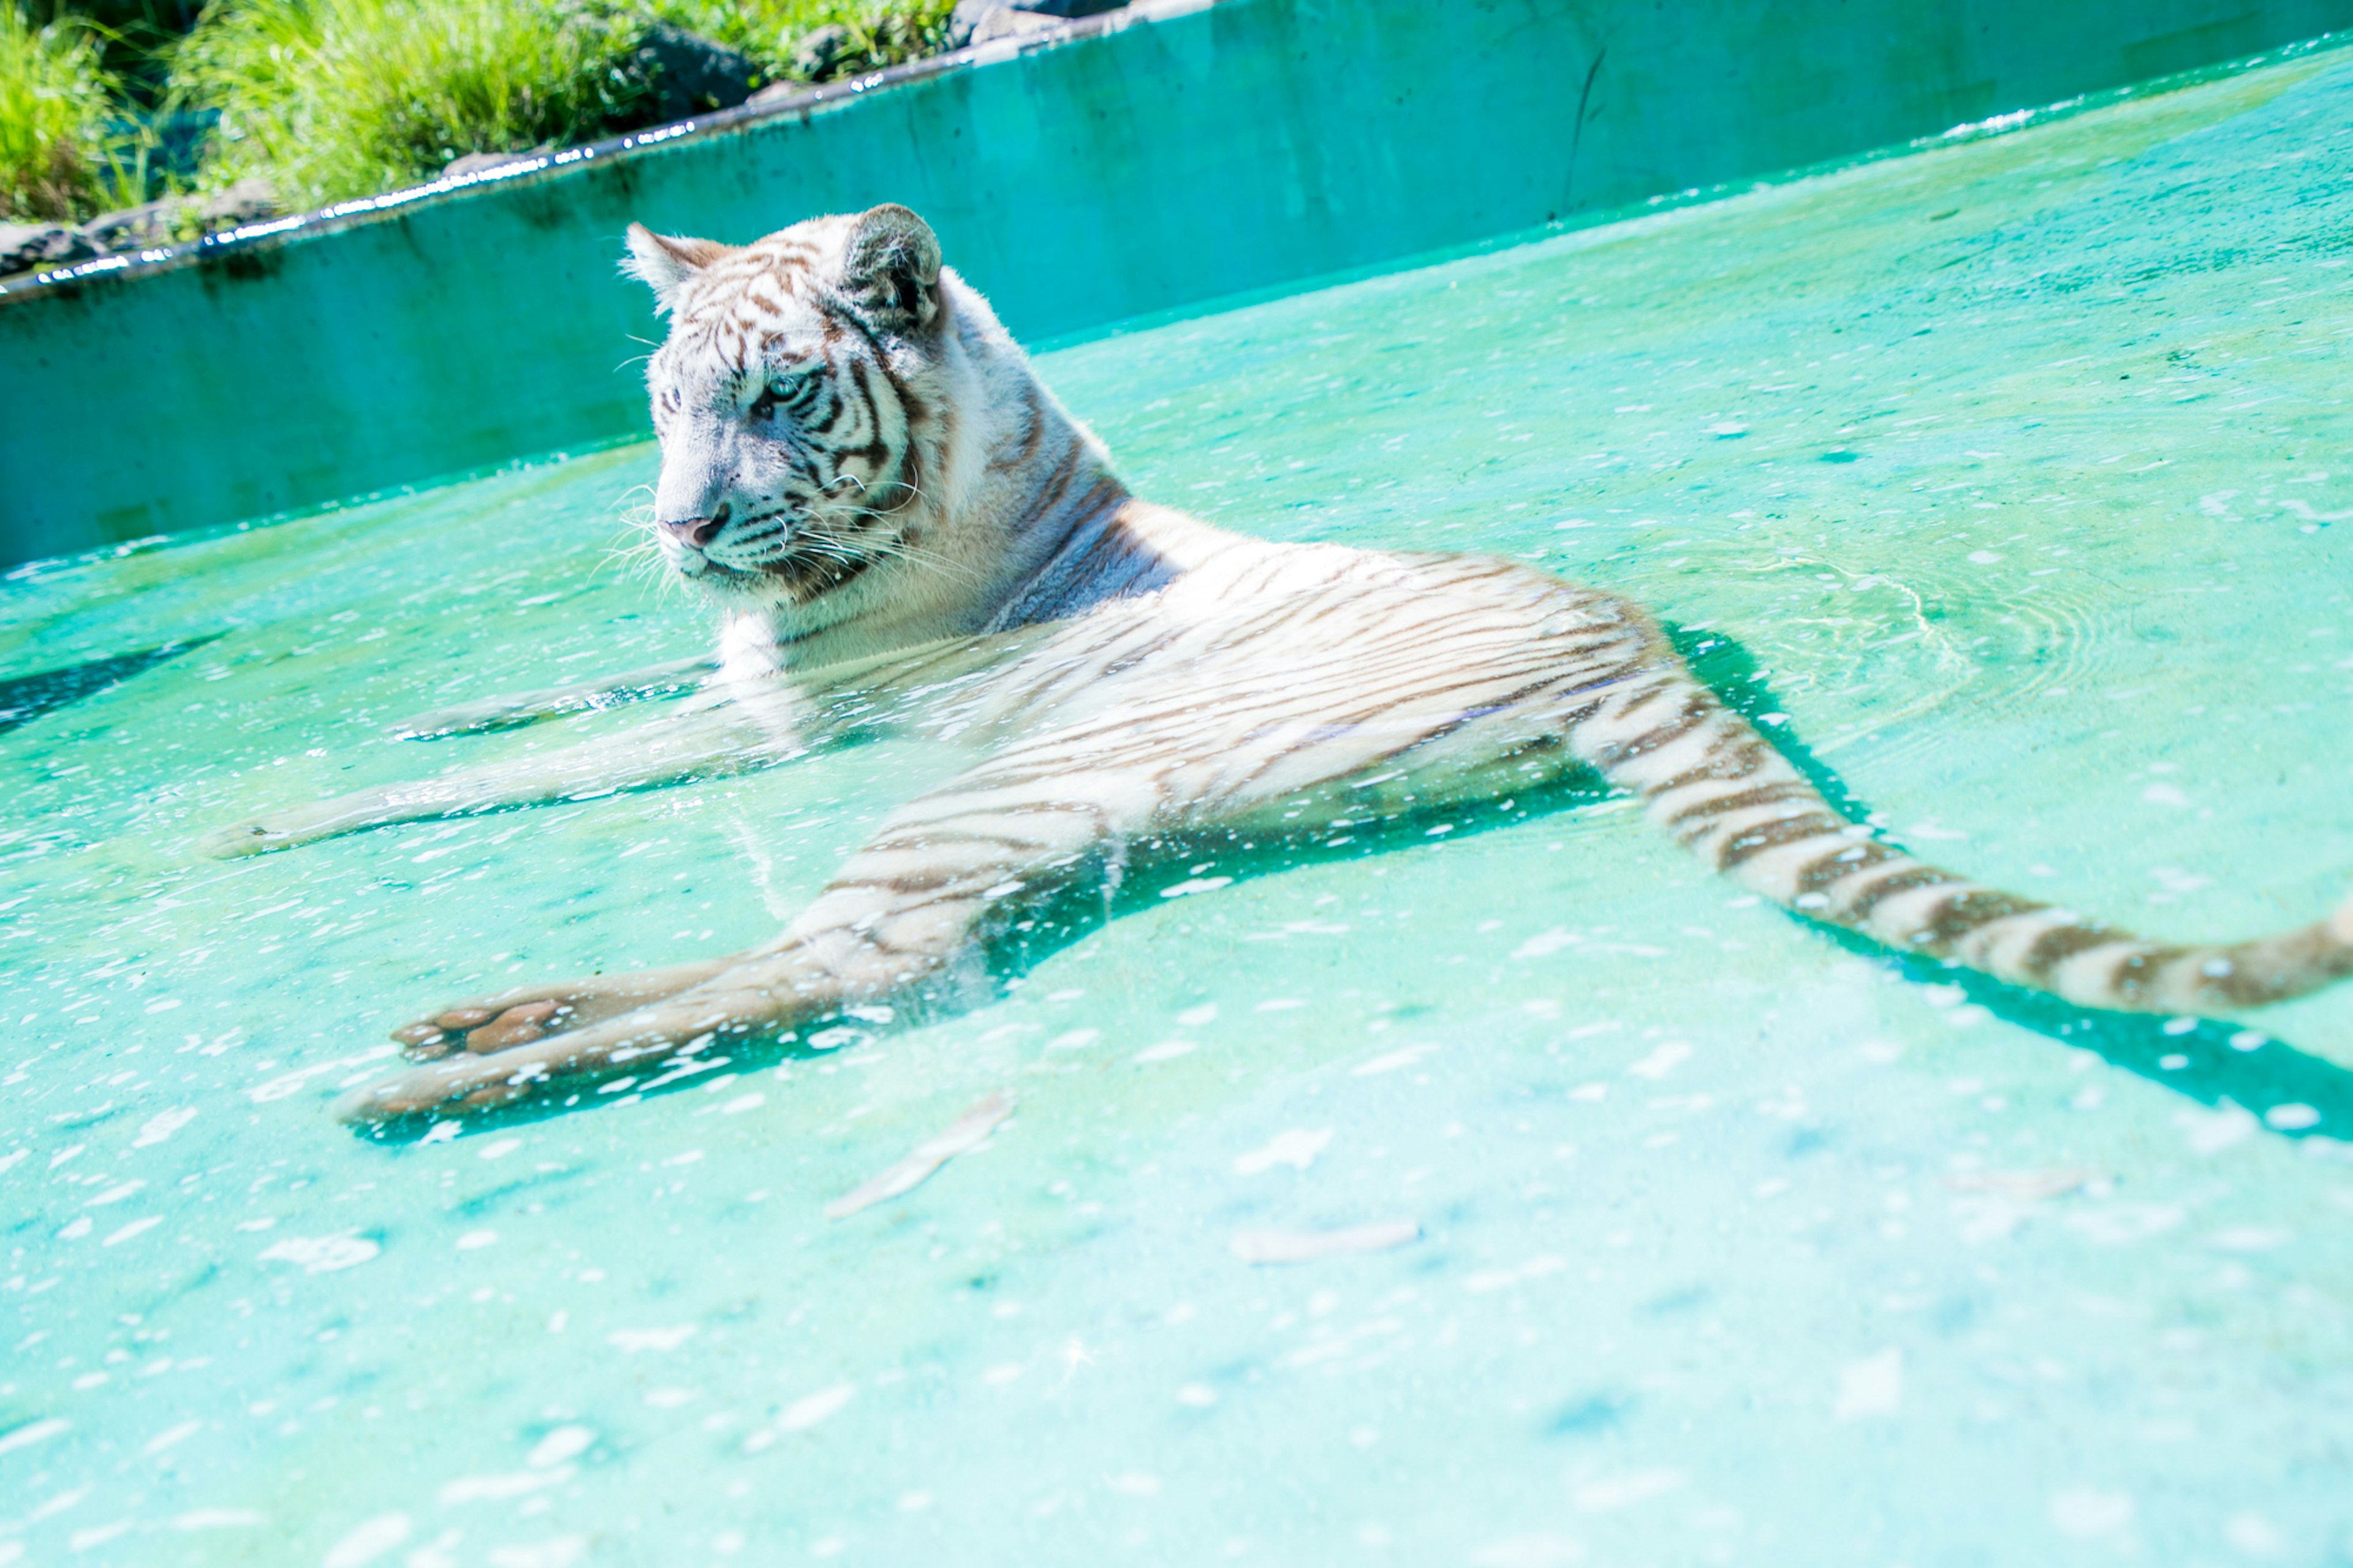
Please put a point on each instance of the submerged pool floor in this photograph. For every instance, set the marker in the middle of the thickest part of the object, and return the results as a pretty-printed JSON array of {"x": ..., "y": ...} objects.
[{"x": 2013, "y": 472}]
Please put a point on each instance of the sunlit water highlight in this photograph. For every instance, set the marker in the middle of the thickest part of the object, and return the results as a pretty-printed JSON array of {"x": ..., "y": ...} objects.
[{"x": 1519, "y": 1197}]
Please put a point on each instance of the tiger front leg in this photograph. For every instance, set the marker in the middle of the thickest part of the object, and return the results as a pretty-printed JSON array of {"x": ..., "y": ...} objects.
[
  {"x": 900, "y": 916},
  {"x": 694, "y": 745},
  {"x": 676, "y": 678}
]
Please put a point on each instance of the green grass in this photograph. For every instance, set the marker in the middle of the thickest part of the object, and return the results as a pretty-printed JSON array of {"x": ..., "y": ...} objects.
[
  {"x": 331, "y": 100},
  {"x": 882, "y": 32},
  {"x": 61, "y": 157}
]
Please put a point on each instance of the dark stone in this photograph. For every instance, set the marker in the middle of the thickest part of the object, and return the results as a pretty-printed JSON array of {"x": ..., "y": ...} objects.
[
  {"x": 25, "y": 247},
  {"x": 814, "y": 56},
  {"x": 980, "y": 21},
  {"x": 685, "y": 74},
  {"x": 164, "y": 222},
  {"x": 132, "y": 227}
]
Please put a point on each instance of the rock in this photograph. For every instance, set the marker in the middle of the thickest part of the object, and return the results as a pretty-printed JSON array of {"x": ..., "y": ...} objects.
[
  {"x": 164, "y": 222},
  {"x": 25, "y": 247},
  {"x": 776, "y": 94},
  {"x": 814, "y": 56},
  {"x": 475, "y": 163},
  {"x": 250, "y": 200},
  {"x": 133, "y": 227},
  {"x": 689, "y": 75},
  {"x": 979, "y": 21}
]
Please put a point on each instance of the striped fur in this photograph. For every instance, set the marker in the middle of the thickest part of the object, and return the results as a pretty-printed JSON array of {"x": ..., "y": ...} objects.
[{"x": 915, "y": 528}]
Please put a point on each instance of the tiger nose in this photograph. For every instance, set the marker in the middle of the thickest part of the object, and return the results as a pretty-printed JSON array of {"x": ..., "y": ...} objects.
[{"x": 698, "y": 532}]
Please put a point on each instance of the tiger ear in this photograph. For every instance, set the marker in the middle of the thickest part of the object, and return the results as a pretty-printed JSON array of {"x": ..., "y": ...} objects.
[
  {"x": 891, "y": 271},
  {"x": 664, "y": 263}
]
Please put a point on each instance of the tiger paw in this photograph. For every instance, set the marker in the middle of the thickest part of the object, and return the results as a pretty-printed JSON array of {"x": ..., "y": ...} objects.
[
  {"x": 482, "y": 1029},
  {"x": 463, "y": 1084},
  {"x": 283, "y": 829}
]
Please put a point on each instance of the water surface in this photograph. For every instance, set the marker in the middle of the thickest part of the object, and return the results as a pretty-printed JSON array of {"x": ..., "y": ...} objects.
[{"x": 2009, "y": 478}]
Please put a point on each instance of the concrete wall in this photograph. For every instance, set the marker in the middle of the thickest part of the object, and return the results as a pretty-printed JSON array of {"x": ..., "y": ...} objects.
[{"x": 1167, "y": 160}]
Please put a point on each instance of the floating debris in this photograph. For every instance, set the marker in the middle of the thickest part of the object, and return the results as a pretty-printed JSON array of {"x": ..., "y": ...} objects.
[
  {"x": 969, "y": 1132},
  {"x": 2022, "y": 1187},
  {"x": 1307, "y": 1246}
]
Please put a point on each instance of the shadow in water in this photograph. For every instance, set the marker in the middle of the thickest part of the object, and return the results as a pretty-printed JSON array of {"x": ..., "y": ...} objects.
[
  {"x": 25, "y": 697},
  {"x": 2213, "y": 1063}
]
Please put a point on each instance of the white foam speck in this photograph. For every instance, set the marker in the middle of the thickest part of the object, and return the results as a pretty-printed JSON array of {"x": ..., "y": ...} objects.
[
  {"x": 179, "y": 1434},
  {"x": 1392, "y": 1061},
  {"x": 1543, "y": 942},
  {"x": 1662, "y": 1061},
  {"x": 1196, "y": 885},
  {"x": 500, "y": 1149},
  {"x": 561, "y": 1444},
  {"x": 368, "y": 1540},
  {"x": 1872, "y": 1387},
  {"x": 162, "y": 1126},
  {"x": 473, "y": 1239},
  {"x": 1296, "y": 1148},
  {"x": 805, "y": 1413},
  {"x": 1166, "y": 1051},
  {"x": 322, "y": 1254},
  {"x": 499, "y": 1488},
  {"x": 2086, "y": 1512},
  {"x": 2211, "y": 1132},
  {"x": 30, "y": 1433},
  {"x": 1614, "y": 1492}
]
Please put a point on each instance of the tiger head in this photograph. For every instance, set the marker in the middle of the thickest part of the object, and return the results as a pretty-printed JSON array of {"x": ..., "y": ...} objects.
[{"x": 804, "y": 400}]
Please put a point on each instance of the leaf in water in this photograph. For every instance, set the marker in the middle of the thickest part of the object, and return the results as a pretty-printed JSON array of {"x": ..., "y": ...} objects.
[{"x": 968, "y": 1132}]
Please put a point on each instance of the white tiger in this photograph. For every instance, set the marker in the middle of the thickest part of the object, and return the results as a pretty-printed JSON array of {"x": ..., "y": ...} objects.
[{"x": 862, "y": 471}]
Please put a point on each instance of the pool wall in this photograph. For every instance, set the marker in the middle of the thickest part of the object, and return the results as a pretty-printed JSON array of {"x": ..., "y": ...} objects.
[{"x": 1164, "y": 157}]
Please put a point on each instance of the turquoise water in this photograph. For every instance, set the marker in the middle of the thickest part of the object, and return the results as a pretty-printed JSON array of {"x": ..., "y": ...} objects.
[{"x": 2012, "y": 472}]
